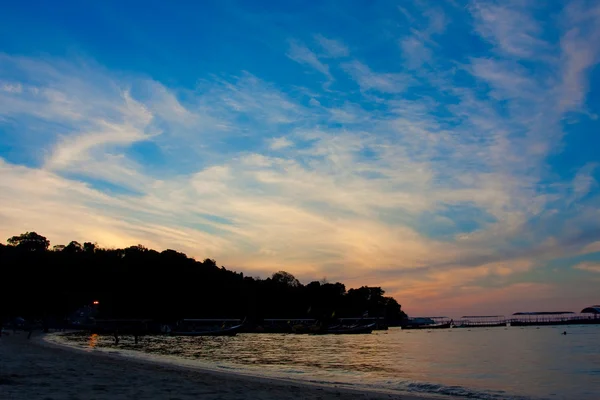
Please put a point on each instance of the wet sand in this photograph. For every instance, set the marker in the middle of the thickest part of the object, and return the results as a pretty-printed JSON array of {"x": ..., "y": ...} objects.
[{"x": 33, "y": 369}]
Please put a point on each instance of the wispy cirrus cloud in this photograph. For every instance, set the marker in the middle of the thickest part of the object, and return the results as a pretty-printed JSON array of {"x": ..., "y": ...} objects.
[
  {"x": 437, "y": 183},
  {"x": 415, "y": 51},
  {"x": 11, "y": 88},
  {"x": 368, "y": 79},
  {"x": 511, "y": 28},
  {"x": 303, "y": 55},
  {"x": 583, "y": 182},
  {"x": 589, "y": 267},
  {"x": 333, "y": 48},
  {"x": 416, "y": 47},
  {"x": 579, "y": 53},
  {"x": 280, "y": 143}
]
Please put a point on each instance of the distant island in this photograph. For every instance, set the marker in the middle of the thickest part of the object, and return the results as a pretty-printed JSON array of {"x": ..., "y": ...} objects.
[{"x": 136, "y": 282}]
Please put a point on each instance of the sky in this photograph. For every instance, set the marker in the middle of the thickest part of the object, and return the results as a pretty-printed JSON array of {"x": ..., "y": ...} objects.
[{"x": 447, "y": 151}]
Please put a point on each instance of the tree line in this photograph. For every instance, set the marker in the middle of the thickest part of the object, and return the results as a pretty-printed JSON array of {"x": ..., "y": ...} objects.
[{"x": 137, "y": 282}]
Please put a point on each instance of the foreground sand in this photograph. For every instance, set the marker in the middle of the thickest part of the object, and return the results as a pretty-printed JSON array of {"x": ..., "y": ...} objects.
[{"x": 31, "y": 369}]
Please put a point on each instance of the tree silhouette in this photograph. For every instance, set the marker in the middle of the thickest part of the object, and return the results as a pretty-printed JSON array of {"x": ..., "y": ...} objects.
[
  {"x": 89, "y": 247},
  {"x": 137, "y": 282},
  {"x": 29, "y": 241},
  {"x": 285, "y": 278},
  {"x": 73, "y": 247}
]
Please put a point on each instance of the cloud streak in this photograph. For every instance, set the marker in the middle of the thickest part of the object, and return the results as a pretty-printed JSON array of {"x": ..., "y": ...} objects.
[
  {"x": 589, "y": 267},
  {"x": 303, "y": 55},
  {"x": 370, "y": 80},
  {"x": 332, "y": 48},
  {"x": 511, "y": 29}
]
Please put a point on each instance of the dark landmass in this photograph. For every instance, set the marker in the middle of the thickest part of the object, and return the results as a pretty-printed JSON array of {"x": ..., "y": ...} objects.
[{"x": 137, "y": 282}]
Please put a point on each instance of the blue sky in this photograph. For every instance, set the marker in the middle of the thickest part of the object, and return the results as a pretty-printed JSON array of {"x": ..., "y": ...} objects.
[{"x": 447, "y": 151}]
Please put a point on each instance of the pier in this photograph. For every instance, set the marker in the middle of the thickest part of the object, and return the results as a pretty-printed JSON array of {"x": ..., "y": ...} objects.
[
  {"x": 587, "y": 316},
  {"x": 545, "y": 318},
  {"x": 481, "y": 321}
]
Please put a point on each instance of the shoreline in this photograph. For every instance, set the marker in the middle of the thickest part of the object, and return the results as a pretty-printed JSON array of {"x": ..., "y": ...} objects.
[{"x": 80, "y": 373}]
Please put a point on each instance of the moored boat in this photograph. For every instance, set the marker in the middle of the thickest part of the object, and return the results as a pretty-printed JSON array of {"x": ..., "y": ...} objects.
[
  {"x": 231, "y": 331},
  {"x": 428, "y": 323},
  {"x": 351, "y": 330},
  {"x": 205, "y": 327},
  {"x": 447, "y": 325}
]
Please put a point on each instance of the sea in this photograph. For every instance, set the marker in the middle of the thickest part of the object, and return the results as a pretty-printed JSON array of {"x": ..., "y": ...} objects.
[{"x": 514, "y": 363}]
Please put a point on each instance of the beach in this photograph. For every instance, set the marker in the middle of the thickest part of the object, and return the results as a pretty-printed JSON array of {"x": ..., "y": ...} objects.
[{"x": 35, "y": 369}]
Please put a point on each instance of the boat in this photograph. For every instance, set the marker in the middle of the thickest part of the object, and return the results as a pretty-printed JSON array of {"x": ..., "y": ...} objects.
[
  {"x": 301, "y": 329},
  {"x": 380, "y": 324},
  {"x": 231, "y": 331},
  {"x": 343, "y": 330},
  {"x": 205, "y": 327},
  {"x": 350, "y": 330},
  {"x": 447, "y": 325},
  {"x": 428, "y": 323}
]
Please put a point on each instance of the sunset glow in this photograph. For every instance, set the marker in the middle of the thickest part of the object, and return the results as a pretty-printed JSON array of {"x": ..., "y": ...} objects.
[{"x": 446, "y": 153}]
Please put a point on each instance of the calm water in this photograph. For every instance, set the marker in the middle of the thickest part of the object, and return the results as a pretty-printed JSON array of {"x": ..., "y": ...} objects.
[{"x": 493, "y": 363}]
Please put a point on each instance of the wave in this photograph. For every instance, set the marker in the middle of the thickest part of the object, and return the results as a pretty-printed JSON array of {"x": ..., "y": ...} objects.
[{"x": 459, "y": 391}]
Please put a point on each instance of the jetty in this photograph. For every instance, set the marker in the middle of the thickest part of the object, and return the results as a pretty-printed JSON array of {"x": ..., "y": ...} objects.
[
  {"x": 481, "y": 321},
  {"x": 588, "y": 316}
]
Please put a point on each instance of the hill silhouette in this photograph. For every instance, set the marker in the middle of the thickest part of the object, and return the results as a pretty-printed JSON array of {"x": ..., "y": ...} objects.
[{"x": 137, "y": 282}]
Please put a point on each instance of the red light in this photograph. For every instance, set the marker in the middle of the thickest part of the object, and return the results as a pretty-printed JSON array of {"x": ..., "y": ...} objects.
[{"x": 96, "y": 302}]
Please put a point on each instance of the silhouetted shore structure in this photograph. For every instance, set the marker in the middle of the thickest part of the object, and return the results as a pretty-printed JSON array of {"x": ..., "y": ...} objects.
[
  {"x": 428, "y": 323},
  {"x": 587, "y": 316},
  {"x": 342, "y": 326},
  {"x": 481, "y": 321},
  {"x": 210, "y": 327},
  {"x": 542, "y": 318}
]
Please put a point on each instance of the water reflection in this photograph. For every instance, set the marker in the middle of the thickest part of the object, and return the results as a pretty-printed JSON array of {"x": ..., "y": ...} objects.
[
  {"x": 93, "y": 340},
  {"x": 488, "y": 363}
]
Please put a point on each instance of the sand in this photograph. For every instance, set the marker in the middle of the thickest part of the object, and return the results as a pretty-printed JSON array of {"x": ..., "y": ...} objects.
[{"x": 33, "y": 369}]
